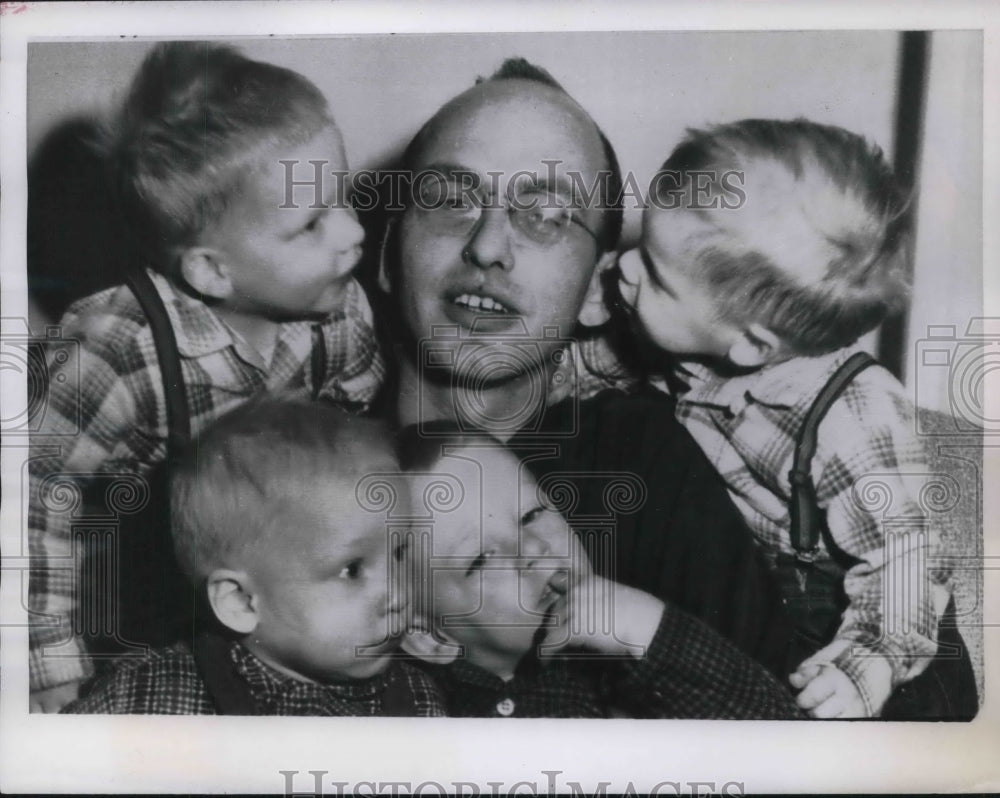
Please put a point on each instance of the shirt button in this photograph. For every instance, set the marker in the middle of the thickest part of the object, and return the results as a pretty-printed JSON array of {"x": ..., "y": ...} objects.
[{"x": 506, "y": 707}]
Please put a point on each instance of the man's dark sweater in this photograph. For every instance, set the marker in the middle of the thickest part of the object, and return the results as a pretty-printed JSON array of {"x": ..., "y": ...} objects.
[{"x": 654, "y": 514}]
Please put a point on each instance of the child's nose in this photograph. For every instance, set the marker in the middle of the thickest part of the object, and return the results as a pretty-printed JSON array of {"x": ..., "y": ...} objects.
[
  {"x": 349, "y": 234},
  {"x": 397, "y": 599},
  {"x": 397, "y": 596},
  {"x": 535, "y": 547},
  {"x": 630, "y": 268}
]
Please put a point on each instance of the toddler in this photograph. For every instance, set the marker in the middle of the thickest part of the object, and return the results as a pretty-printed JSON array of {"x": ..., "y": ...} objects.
[
  {"x": 301, "y": 582},
  {"x": 513, "y": 621},
  {"x": 768, "y": 248}
]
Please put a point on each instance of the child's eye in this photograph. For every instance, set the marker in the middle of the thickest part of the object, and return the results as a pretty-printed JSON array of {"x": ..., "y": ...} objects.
[
  {"x": 532, "y": 515},
  {"x": 352, "y": 570},
  {"x": 478, "y": 562},
  {"x": 400, "y": 551},
  {"x": 312, "y": 225}
]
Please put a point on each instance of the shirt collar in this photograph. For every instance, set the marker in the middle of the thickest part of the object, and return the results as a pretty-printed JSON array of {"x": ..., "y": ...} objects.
[
  {"x": 780, "y": 385},
  {"x": 198, "y": 330},
  {"x": 461, "y": 670}
]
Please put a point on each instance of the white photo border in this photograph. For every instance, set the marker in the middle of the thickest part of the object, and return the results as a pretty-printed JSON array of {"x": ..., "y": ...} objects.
[{"x": 215, "y": 754}]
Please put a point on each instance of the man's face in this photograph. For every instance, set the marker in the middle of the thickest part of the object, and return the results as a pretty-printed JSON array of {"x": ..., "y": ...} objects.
[{"x": 491, "y": 275}]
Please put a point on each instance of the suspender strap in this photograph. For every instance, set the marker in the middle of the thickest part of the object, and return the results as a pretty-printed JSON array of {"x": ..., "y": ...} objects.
[
  {"x": 317, "y": 365},
  {"x": 229, "y": 693},
  {"x": 178, "y": 422},
  {"x": 806, "y": 517}
]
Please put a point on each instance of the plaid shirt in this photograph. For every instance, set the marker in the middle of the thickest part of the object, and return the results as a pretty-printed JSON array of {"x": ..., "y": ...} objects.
[
  {"x": 869, "y": 470},
  {"x": 589, "y": 366},
  {"x": 106, "y": 414},
  {"x": 167, "y": 682},
  {"x": 688, "y": 671}
]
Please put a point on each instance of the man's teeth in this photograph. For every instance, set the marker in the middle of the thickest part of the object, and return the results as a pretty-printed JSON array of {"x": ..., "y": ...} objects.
[{"x": 477, "y": 302}]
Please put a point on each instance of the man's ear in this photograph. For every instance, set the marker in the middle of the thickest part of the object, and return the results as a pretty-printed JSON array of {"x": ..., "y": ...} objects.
[
  {"x": 594, "y": 312},
  {"x": 756, "y": 346},
  {"x": 383, "y": 270},
  {"x": 231, "y": 596},
  {"x": 205, "y": 270},
  {"x": 430, "y": 646}
]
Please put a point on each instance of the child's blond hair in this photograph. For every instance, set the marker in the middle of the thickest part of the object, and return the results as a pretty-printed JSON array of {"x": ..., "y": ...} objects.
[
  {"x": 197, "y": 119},
  {"x": 797, "y": 226},
  {"x": 240, "y": 484}
]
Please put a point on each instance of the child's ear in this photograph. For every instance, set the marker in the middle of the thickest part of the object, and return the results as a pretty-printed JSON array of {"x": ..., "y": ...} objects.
[
  {"x": 756, "y": 346},
  {"x": 594, "y": 312},
  {"x": 430, "y": 646},
  {"x": 205, "y": 270},
  {"x": 383, "y": 270},
  {"x": 232, "y": 599}
]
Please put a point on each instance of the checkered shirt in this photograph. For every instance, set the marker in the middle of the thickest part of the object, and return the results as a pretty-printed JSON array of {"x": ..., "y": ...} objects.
[
  {"x": 589, "y": 365},
  {"x": 688, "y": 671},
  {"x": 106, "y": 414},
  {"x": 870, "y": 473},
  {"x": 167, "y": 682}
]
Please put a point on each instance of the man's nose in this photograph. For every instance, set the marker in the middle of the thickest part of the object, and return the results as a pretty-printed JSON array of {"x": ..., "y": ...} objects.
[{"x": 489, "y": 247}]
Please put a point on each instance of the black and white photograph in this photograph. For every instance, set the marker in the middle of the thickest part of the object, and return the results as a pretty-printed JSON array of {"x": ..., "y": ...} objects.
[{"x": 612, "y": 384}]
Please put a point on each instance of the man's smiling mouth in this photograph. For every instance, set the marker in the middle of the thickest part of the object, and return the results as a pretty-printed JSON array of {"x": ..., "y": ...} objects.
[{"x": 480, "y": 303}]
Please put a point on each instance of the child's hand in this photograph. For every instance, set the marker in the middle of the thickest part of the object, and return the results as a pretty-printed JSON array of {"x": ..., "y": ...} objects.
[
  {"x": 54, "y": 698},
  {"x": 603, "y": 616},
  {"x": 827, "y": 692}
]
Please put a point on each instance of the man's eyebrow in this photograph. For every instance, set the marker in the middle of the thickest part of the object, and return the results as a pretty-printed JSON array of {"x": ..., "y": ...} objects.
[
  {"x": 562, "y": 185},
  {"x": 653, "y": 272}
]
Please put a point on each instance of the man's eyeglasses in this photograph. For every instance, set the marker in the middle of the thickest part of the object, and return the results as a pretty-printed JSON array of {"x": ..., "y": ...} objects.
[{"x": 451, "y": 205}]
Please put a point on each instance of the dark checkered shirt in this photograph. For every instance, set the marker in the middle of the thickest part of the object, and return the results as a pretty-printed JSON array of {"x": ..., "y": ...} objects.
[
  {"x": 167, "y": 682},
  {"x": 688, "y": 672}
]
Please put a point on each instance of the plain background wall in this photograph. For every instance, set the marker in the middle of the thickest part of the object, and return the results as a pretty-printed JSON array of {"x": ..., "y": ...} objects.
[{"x": 644, "y": 89}]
